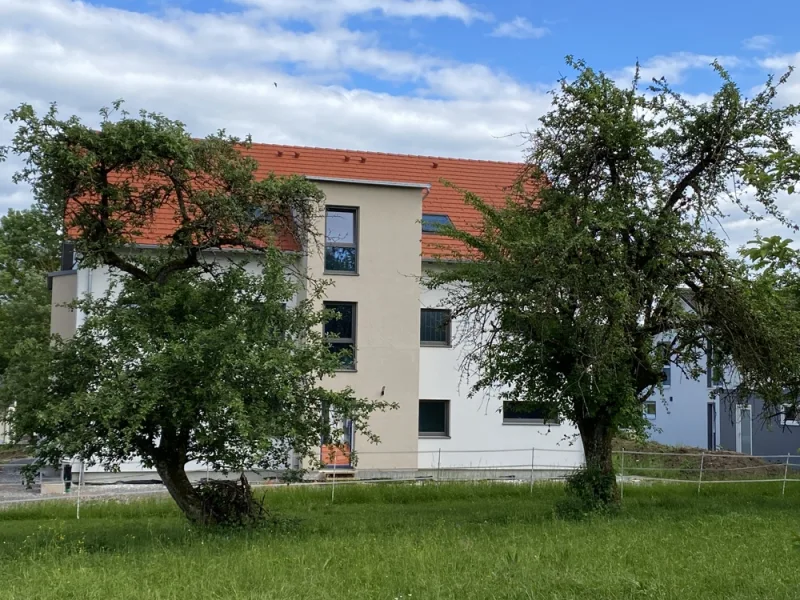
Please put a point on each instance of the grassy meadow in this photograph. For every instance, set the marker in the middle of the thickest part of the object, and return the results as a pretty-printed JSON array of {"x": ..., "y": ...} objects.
[{"x": 461, "y": 541}]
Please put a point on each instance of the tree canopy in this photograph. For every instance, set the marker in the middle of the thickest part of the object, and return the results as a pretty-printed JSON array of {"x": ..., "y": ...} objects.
[
  {"x": 605, "y": 261},
  {"x": 208, "y": 346},
  {"x": 29, "y": 250}
]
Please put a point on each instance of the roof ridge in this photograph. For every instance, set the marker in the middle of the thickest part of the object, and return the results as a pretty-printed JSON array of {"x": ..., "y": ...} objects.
[{"x": 393, "y": 154}]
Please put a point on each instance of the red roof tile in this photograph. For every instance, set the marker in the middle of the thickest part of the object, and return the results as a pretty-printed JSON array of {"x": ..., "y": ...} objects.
[{"x": 490, "y": 180}]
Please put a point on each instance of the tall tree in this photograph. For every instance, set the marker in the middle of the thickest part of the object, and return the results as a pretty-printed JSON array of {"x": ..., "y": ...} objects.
[
  {"x": 604, "y": 263},
  {"x": 195, "y": 354}
]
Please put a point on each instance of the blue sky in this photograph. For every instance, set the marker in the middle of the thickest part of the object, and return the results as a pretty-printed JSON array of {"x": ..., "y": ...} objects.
[
  {"x": 440, "y": 77},
  {"x": 609, "y": 35}
]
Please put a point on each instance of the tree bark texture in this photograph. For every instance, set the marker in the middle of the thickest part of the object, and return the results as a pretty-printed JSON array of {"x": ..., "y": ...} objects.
[
  {"x": 173, "y": 475},
  {"x": 597, "y": 435}
]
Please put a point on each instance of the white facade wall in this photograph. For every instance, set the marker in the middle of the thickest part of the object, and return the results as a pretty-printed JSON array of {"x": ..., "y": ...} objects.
[
  {"x": 478, "y": 438},
  {"x": 682, "y": 412},
  {"x": 96, "y": 282}
]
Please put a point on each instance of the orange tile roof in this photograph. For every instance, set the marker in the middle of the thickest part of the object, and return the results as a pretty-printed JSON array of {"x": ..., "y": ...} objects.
[{"x": 490, "y": 180}]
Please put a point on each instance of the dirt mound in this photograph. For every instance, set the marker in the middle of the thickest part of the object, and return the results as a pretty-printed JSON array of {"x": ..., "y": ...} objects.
[
  {"x": 651, "y": 459},
  {"x": 10, "y": 453}
]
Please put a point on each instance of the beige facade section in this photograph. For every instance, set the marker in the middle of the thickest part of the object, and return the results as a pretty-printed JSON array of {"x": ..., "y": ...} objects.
[
  {"x": 63, "y": 318},
  {"x": 387, "y": 293}
]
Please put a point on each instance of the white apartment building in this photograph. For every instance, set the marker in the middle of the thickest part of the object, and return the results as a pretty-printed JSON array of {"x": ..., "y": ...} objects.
[{"x": 380, "y": 209}]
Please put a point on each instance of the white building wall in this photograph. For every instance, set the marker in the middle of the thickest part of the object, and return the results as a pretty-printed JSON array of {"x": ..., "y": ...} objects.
[
  {"x": 682, "y": 412},
  {"x": 96, "y": 283},
  {"x": 478, "y": 438}
]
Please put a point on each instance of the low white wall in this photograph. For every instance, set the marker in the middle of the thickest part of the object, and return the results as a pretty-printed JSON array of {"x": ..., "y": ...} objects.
[{"x": 478, "y": 438}]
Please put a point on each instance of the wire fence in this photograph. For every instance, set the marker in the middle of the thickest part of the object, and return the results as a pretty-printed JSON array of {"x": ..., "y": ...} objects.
[{"x": 525, "y": 466}]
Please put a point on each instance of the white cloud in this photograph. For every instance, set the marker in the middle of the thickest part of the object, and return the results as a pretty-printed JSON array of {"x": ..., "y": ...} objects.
[
  {"x": 519, "y": 28},
  {"x": 673, "y": 66},
  {"x": 759, "y": 42},
  {"x": 780, "y": 62},
  {"x": 219, "y": 70},
  {"x": 789, "y": 93},
  {"x": 340, "y": 9}
]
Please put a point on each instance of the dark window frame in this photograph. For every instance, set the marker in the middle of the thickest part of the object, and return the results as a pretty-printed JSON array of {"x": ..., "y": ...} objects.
[
  {"x": 341, "y": 341},
  {"x": 666, "y": 370},
  {"x": 710, "y": 381},
  {"x": 354, "y": 244},
  {"x": 448, "y": 343},
  {"x": 436, "y": 434},
  {"x": 521, "y": 419},
  {"x": 790, "y": 416},
  {"x": 647, "y": 404},
  {"x": 433, "y": 226}
]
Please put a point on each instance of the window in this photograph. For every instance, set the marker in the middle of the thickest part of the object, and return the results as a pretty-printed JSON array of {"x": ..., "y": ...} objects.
[
  {"x": 666, "y": 373},
  {"x": 525, "y": 413},
  {"x": 650, "y": 409},
  {"x": 260, "y": 216},
  {"x": 790, "y": 416},
  {"x": 434, "y": 418},
  {"x": 343, "y": 333},
  {"x": 711, "y": 380},
  {"x": 432, "y": 223},
  {"x": 434, "y": 327},
  {"x": 67, "y": 256},
  {"x": 341, "y": 251}
]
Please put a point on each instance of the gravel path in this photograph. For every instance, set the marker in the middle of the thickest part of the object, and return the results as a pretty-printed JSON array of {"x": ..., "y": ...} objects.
[{"x": 14, "y": 495}]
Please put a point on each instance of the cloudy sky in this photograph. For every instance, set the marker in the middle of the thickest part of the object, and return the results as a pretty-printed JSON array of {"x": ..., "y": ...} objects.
[{"x": 440, "y": 77}]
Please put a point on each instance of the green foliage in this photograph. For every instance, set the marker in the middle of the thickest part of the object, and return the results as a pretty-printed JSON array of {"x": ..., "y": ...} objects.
[
  {"x": 199, "y": 350},
  {"x": 220, "y": 367},
  {"x": 604, "y": 261},
  {"x": 437, "y": 542},
  {"x": 590, "y": 491},
  {"x": 29, "y": 250},
  {"x": 108, "y": 185},
  {"x": 776, "y": 283}
]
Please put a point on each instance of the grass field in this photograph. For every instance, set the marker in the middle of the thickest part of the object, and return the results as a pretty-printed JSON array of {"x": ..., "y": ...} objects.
[
  {"x": 462, "y": 541},
  {"x": 653, "y": 460}
]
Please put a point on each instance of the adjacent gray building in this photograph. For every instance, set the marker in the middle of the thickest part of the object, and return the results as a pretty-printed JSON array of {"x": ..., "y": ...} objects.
[{"x": 747, "y": 428}]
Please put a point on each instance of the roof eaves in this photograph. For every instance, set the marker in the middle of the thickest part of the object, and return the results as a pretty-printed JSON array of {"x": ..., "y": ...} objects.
[{"x": 402, "y": 184}]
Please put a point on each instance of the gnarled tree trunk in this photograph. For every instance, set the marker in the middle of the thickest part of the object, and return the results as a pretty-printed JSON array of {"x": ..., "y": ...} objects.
[
  {"x": 597, "y": 435},
  {"x": 173, "y": 475}
]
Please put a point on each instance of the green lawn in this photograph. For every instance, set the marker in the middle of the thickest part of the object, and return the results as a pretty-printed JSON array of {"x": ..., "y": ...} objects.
[{"x": 451, "y": 541}]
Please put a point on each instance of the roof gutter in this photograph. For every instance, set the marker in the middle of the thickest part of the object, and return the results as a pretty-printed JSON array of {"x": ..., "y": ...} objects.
[{"x": 400, "y": 184}]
